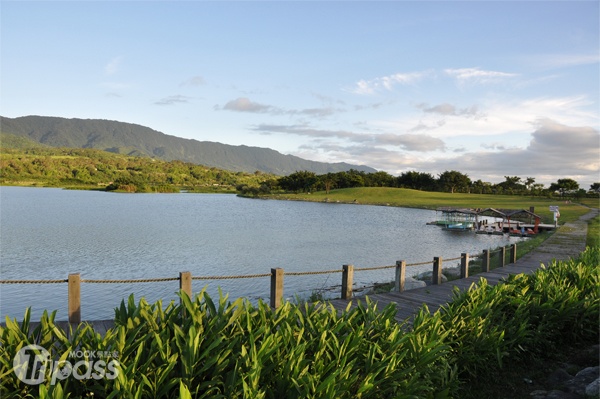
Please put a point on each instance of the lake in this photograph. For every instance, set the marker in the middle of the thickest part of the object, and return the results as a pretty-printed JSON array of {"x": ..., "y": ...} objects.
[{"x": 47, "y": 233}]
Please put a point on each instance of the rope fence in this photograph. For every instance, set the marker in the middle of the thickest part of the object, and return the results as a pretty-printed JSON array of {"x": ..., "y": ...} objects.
[
  {"x": 32, "y": 281},
  {"x": 231, "y": 277},
  {"x": 277, "y": 274},
  {"x": 312, "y": 273},
  {"x": 139, "y": 280}
]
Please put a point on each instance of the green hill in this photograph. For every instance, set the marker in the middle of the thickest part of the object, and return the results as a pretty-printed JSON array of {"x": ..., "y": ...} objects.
[
  {"x": 137, "y": 140},
  {"x": 95, "y": 169}
]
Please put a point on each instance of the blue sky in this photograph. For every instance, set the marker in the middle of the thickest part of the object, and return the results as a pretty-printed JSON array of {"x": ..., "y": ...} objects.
[{"x": 488, "y": 88}]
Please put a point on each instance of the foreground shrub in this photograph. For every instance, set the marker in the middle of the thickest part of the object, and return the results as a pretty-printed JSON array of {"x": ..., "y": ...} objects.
[
  {"x": 206, "y": 349},
  {"x": 529, "y": 315},
  {"x": 235, "y": 350}
]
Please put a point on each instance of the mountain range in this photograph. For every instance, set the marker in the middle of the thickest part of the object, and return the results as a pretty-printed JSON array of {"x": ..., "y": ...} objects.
[{"x": 137, "y": 140}]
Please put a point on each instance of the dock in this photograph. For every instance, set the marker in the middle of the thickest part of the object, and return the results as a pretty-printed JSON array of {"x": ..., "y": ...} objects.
[{"x": 567, "y": 242}]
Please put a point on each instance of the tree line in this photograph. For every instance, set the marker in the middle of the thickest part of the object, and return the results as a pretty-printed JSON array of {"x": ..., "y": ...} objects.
[{"x": 449, "y": 181}]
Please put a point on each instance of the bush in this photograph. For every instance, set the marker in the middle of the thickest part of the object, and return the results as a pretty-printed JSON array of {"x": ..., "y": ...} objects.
[
  {"x": 235, "y": 350},
  {"x": 526, "y": 316},
  {"x": 201, "y": 348}
]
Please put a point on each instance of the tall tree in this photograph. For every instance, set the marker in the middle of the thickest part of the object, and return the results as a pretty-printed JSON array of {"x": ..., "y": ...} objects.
[
  {"x": 529, "y": 182},
  {"x": 416, "y": 180},
  {"x": 298, "y": 181},
  {"x": 564, "y": 185},
  {"x": 511, "y": 184},
  {"x": 352, "y": 178},
  {"x": 481, "y": 187},
  {"x": 537, "y": 189},
  {"x": 328, "y": 181},
  {"x": 453, "y": 180},
  {"x": 379, "y": 179}
]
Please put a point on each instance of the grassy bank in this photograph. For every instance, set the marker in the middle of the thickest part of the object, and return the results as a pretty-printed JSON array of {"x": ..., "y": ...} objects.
[
  {"x": 432, "y": 200},
  {"x": 593, "y": 234}
]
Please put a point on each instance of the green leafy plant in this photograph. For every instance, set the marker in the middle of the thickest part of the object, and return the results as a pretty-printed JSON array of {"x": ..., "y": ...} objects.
[{"x": 205, "y": 348}]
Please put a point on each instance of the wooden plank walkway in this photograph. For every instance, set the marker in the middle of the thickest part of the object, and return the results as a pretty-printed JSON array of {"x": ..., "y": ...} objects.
[{"x": 567, "y": 242}]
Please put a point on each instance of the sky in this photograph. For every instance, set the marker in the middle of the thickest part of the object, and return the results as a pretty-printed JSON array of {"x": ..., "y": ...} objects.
[{"x": 487, "y": 88}]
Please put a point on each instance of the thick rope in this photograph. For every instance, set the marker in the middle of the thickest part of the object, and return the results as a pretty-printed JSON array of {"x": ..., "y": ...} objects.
[
  {"x": 359, "y": 269},
  {"x": 141, "y": 280},
  {"x": 421, "y": 263},
  {"x": 32, "y": 281},
  {"x": 229, "y": 277},
  {"x": 311, "y": 273}
]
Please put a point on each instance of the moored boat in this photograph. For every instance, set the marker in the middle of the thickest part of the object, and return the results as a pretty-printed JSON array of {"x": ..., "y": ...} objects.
[{"x": 465, "y": 226}]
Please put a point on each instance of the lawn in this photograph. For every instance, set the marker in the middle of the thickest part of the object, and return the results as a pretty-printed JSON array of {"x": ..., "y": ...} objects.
[{"x": 569, "y": 211}]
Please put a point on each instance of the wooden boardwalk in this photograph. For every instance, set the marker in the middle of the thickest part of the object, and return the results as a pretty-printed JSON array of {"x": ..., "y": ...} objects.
[{"x": 567, "y": 242}]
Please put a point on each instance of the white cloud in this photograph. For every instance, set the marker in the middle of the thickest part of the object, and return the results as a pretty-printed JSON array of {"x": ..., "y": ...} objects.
[
  {"x": 477, "y": 75},
  {"x": 406, "y": 142},
  {"x": 555, "y": 151},
  {"x": 551, "y": 151},
  {"x": 171, "y": 100},
  {"x": 113, "y": 65},
  {"x": 243, "y": 104},
  {"x": 450, "y": 110},
  {"x": 492, "y": 117},
  {"x": 555, "y": 61},
  {"x": 411, "y": 142},
  {"x": 463, "y": 76},
  {"x": 377, "y": 157},
  {"x": 317, "y": 112},
  {"x": 570, "y": 109},
  {"x": 567, "y": 145},
  {"x": 193, "y": 81},
  {"x": 387, "y": 82},
  {"x": 494, "y": 146}
]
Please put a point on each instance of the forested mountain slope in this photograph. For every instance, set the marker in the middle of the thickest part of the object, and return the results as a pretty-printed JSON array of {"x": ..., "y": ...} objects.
[{"x": 137, "y": 140}]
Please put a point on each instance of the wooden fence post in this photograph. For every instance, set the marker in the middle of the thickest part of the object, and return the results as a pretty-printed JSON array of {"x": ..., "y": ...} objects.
[
  {"x": 276, "y": 287},
  {"x": 74, "y": 298},
  {"x": 485, "y": 264},
  {"x": 513, "y": 254},
  {"x": 400, "y": 275},
  {"x": 502, "y": 256},
  {"x": 464, "y": 265},
  {"x": 185, "y": 283},
  {"x": 436, "y": 276},
  {"x": 347, "y": 281}
]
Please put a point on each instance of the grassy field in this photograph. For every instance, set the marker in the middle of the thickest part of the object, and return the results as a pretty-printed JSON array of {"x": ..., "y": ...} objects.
[{"x": 432, "y": 200}]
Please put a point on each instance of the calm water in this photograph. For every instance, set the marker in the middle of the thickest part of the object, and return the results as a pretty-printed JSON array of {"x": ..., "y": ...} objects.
[{"x": 49, "y": 233}]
